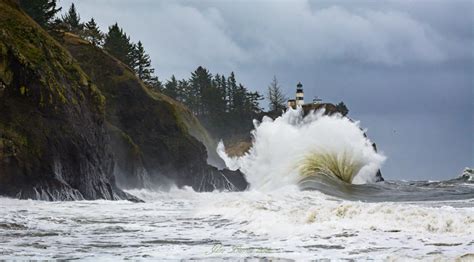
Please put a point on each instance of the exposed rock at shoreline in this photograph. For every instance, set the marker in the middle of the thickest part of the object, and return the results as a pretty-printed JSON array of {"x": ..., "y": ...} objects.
[
  {"x": 70, "y": 126},
  {"x": 154, "y": 138},
  {"x": 53, "y": 140}
]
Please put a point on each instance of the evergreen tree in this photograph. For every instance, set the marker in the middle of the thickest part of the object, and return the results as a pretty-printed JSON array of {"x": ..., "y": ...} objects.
[
  {"x": 183, "y": 91},
  {"x": 155, "y": 84},
  {"x": 92, "y": 33},
  {"x": 224, "y": 91},
  {"x": 221, "y": 92},
  {"x": 222, "y": 105},
  {"x": 254, "y": 99},
  {"x": 275, "y": 96},
  {"x": 142, "y": 64},
  {"x": 118, "y": 44},
  {"x": 72, "y": 20},
  {"x": 231, "y": 92},
  {"x": 171, "y": 88},
  {"x": 342, "y": 108},
  {"x": 200, "y": 80},
  {"x": 42, "y": 11}
]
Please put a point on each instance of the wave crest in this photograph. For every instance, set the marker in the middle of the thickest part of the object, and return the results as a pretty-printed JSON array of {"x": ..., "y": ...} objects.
[
  {"x": 342, "y": 166},
  {"x": 294, "y": 146}
]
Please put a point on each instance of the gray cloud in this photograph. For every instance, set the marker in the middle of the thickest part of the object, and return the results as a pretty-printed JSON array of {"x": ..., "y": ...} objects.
[{"x": 399, "y": 65}]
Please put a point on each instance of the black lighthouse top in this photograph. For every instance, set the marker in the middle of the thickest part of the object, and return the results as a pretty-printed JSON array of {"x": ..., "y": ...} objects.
[{"x": 299, "y": 88}]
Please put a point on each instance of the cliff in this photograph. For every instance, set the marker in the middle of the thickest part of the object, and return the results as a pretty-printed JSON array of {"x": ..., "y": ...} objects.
[
  {"x": 53, "y": 138},
  {"x": 74, "y": 122},
  {"x": 155, "y": 140}
]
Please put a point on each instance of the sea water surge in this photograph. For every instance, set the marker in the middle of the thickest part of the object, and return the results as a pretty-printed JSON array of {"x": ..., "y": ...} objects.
[{"x": 312, "y": 196}]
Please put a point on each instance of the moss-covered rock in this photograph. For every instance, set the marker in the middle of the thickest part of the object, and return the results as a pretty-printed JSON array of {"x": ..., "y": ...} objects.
[
  {"x": 53, "y": 140},
  {"x": 154, "y": 135}
]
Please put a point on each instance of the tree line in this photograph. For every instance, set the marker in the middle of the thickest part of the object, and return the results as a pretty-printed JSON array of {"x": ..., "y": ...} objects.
[
  {"x": 219, "y": 101},
  {"x": 223, "y": 105},
  {"x": 116, "y": 42}
]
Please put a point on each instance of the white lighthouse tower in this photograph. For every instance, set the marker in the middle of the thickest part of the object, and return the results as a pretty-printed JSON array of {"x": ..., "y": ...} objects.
[{"x": 299, "y": 94}]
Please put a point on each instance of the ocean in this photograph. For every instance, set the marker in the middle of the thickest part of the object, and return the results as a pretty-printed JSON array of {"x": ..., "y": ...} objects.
[
  {"x": 285, "y": 224},
  {"x": 312, "y": 195}
]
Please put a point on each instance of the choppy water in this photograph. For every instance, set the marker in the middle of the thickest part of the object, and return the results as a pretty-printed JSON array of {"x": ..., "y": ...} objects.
[
  {"x": 286, "y": 224},
  {"x": 284, "y": 215}
]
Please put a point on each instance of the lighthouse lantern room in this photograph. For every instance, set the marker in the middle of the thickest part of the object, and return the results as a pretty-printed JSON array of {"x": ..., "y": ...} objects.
[{"x": 299, "y": 94}]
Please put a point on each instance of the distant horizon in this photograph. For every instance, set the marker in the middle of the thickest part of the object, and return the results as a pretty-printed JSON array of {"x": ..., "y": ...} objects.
[{"x": 404, "y": 69}]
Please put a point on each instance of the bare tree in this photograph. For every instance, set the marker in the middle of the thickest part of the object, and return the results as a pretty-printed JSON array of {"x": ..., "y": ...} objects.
[{"x": 277, "y": 100}]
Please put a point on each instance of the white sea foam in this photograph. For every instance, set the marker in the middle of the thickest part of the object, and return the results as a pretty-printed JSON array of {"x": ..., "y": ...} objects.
[
  {"x": 285, "y": 223},
  {"x": 280, "y": 145}
]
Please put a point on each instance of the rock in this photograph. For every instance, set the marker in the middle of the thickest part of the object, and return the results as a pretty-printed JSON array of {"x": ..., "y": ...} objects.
[
  {"x": 220, "y": 180},
  {"x": 54, "y": 143},
  {"x": 153, "y": 137}
]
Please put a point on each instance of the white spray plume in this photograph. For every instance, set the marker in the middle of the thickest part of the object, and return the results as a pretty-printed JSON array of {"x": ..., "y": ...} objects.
[{"x": 280, "y": 146}]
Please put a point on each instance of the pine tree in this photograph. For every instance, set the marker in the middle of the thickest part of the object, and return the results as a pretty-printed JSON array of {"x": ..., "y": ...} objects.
[
  {"x": 200, "y": 80},
  {"x": 142, "y": 64},
  {"x": 118, "y": 44},
  {"x": 253, "y": 99},
  {"x": 155, "y": 84},
  {"x": 171, "y": 88},
  {"x": 72, "y": 20},
  {"x": 231, "y": 92},
  {"x": 275, "y": 96},
  {"x": 42, "y": 11},
  {"x": 221, "y": 91},
  {"x": 92, "y": 33},
  {"x": 342, "y": 108},
  {"x": 183, "y": 91}
]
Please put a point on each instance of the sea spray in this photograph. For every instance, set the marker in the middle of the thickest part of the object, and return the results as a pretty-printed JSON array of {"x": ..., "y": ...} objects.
[
  {"x": 292, "y": 146},
  {"x": 343, "y": 166}
]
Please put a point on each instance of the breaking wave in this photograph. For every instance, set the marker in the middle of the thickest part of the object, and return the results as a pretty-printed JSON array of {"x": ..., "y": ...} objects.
[{"x": 293, "y": 147}]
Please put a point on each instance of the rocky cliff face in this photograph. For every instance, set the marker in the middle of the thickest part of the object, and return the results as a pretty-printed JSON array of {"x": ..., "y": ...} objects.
[
  {"x": 53, "y": 138},
  {"x": 154, "y": 138},
  {"x": 71, "y": 125}
]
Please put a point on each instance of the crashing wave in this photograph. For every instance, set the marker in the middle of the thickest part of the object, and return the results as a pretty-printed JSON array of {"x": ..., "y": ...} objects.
[
  {"x": 293, "y": 146},
  {"x": 342, "y": 166},
  {"x": 467, "y": 174}
]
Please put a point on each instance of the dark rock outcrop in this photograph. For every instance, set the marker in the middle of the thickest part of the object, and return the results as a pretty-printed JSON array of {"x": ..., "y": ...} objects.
[
  {"x": 53, "y": 138},
  {"x": 153, "y": 137}
]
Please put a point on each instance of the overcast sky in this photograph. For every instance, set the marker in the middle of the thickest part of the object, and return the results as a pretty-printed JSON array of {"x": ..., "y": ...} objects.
[{"x": 404, "y": 68}]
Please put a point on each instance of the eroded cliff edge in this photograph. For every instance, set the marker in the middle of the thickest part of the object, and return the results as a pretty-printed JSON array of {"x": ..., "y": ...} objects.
[
  {"x": 155, "y": 139},
  {"x": 71, "y": 125},
  {"x": 53, "y": 140}
]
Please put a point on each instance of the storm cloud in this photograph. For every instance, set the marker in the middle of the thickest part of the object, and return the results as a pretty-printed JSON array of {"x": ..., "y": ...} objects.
[{"x": 404, "y": 68}]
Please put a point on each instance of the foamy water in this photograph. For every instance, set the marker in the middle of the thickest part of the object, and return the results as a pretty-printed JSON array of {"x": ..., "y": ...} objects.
[
  {"x": 286, "y": 223},
  {"x": 275, "y": 219},
  {"x": 280, "y": 145}
]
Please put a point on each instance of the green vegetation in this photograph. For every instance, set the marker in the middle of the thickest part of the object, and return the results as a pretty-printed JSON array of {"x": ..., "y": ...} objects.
[
  {"x": 159, "y": 126},
  {"x": 277, "y": 100},
  {"x": 142, "y": 65},
  {"x": 72, "y": 21},
  {"x": 225, "y": 107},
  {"x": 36, "y": 73},
  {"x": 342, "y": 108},
  {"x": 92, "y": 33},
  {"x": 42, "y": 11},
  {"x": 118, "y": 44}
]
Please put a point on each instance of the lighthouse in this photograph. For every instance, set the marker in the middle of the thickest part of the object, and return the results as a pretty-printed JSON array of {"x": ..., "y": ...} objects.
[{"x": 299, "y": 94}]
